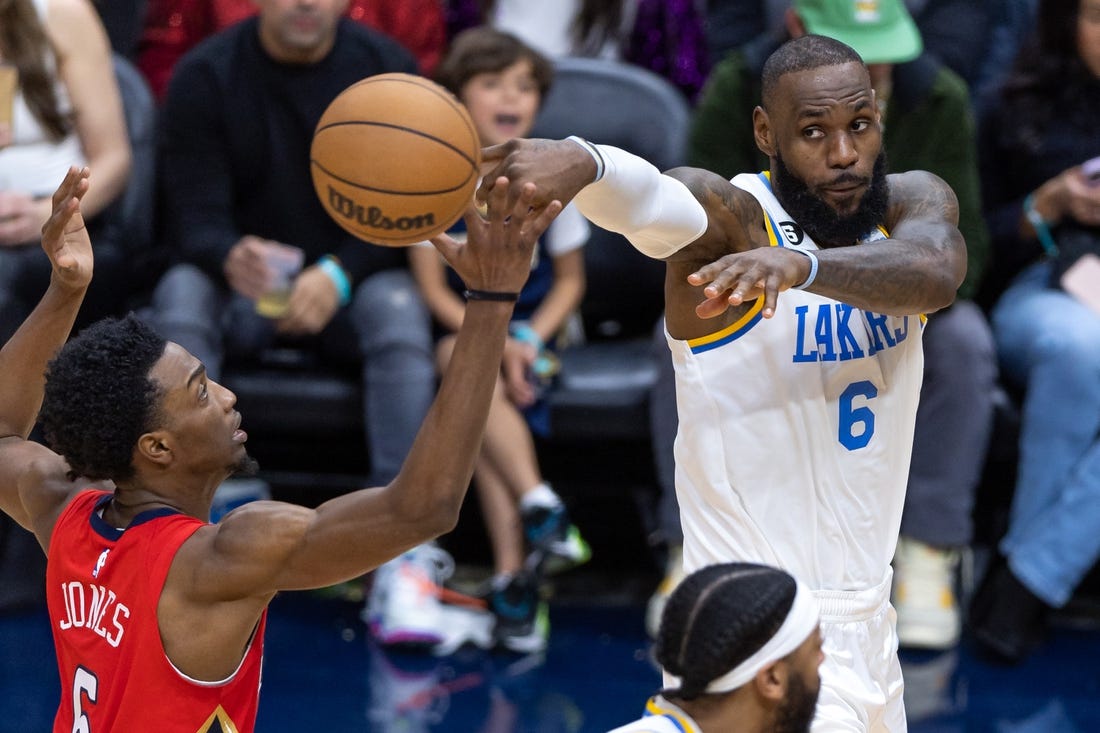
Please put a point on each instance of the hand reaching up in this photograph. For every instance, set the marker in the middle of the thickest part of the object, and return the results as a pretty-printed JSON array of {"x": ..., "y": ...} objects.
[
  {"x": 497, "y": 253},
  {"x": 64, "y": 237}
]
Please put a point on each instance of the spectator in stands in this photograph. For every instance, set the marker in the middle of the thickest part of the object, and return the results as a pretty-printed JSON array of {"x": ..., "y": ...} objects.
[
  {"x": 238, "y": 121},
  {"x": 664, "y": 36},
  {"x": 1044, "y": 214},
  {"x": 502, "y": 82},
  {"x": 62, "y": 108},
  {"x": 173, "y": 27},
  {"x": 976, "y": 40},
  {"x": 59, "y": 106},
  {"x": 927, "y": 125}
]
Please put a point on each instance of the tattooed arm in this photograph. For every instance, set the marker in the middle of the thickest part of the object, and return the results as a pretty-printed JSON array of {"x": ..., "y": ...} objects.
[{"x": 916, "y": 270}]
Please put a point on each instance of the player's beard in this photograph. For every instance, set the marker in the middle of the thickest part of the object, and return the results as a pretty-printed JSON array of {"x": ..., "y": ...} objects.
[
  {"x": 797, "y": 711},
  {"x": 822, "y": 222},
  {"x": 246, "y": 466}
]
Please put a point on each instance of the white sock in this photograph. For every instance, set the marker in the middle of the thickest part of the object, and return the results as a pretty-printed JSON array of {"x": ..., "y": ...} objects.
[{"x": 541, "y": 497}]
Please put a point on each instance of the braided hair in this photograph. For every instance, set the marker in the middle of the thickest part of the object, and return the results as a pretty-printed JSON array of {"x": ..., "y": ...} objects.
[
  {"x": 99, "y": 398},
  {"x": 717, "y": 618}
]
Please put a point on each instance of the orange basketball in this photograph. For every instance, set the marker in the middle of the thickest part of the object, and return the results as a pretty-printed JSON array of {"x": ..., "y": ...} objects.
[{"x": 395, "y": 159}]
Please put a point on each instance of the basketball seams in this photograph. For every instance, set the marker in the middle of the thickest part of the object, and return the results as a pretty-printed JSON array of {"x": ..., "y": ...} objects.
[
  {"x": 397, "y": 136},
  {"x": 392, "y": 192},
  {"x": 428, "y": 85},
  {"x": 400, "y": 128}
]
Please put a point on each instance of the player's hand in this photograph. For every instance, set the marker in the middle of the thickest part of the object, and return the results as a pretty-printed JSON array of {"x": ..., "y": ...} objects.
[
  {"x": 246, "y": 267},
  {"x": 21, "y": 217},
  {"x": 496, "y": 255},
  {"x": 515, "y": 366},
  {"x": 559, "y": 168},
  {"x": 745, "y": 276},
  {"x": 313, "y": 302},
  {"x": 64, "y": 237}
]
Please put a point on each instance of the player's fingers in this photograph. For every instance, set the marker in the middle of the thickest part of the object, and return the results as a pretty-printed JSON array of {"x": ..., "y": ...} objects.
[
  {"x": 771, "y": 296},
  {"x": 535, "y": 227},
  {"x": 492, "y": 158},
  {"x": 712, "y": 307}
]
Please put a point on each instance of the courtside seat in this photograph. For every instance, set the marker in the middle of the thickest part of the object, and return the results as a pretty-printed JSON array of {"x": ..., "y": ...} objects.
[
  {"x": 603, "y": 390},
  {"x": 306, "y": 416}
]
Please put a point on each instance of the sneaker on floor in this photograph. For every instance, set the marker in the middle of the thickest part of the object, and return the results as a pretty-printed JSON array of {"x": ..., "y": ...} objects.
[
  {"x": 462, "y": 625},
  {"x": 404, "y": 603},
  {"x": 674, "y": 573},
  {"x": 557, "y": 543},
  {"x": 522, "y": 617},
  {"x": 923, "y": 595}
]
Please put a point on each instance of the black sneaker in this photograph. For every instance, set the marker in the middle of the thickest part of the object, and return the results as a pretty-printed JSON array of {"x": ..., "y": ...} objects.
[
  {"x": 522, "y": 618},
  {"x": 1007, "y": 620},
  {"x": 557, "y": 543}
]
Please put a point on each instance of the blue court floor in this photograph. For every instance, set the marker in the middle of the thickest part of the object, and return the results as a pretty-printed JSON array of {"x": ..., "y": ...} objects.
[{"x": 322, "y": 674}]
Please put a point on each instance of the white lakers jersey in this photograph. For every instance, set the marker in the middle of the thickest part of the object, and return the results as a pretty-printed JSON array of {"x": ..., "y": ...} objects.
[
  {"x": 795, "y": 432},
  {"x": 661, "y": 716}
]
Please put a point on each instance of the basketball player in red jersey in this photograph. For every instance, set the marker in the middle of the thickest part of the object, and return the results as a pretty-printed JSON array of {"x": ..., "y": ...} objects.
[{"x": 157, "y": 615}]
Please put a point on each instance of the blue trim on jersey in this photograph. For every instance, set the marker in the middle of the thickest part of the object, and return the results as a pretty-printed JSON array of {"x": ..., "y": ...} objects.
[
  {"x": 114, "y": 534},
  {"x": 741, "y": 330}
]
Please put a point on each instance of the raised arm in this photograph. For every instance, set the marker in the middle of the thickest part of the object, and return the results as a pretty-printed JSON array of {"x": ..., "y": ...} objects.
[
  {"x": 32, "y": 478},
  {"x": 917, "y": 270},
  {"x": 268, "y": 546}
]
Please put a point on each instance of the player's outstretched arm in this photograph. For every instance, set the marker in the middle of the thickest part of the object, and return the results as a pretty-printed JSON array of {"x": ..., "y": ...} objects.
[
  {"x": 917, "y": 270},
  {"x": 23, "y": 358},
  {"x": 268, "y": 546}
]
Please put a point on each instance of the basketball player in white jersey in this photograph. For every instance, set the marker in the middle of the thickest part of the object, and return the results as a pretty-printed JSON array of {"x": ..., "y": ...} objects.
[
  {"x": 794, "y": 308},
  {"x": 741, "y": 644}
]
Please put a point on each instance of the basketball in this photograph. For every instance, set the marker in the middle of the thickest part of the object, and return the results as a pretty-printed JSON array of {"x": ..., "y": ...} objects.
[{"x": 395, "y": 159}]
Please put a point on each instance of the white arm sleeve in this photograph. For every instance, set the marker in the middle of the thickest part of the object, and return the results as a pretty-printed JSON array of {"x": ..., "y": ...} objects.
[{"x": 657, "y": 213}]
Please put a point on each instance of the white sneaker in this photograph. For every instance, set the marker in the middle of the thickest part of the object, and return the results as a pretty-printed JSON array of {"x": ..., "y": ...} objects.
[
  {"x": 674, "y": 573},
  {"x": 404, "y": 604},
  {"x": 923, "y": 595},
  {"x": 462, "y": 625}
]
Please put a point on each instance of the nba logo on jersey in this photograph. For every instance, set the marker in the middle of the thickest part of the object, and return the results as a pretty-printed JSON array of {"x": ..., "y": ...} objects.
[{"x": 100, "y": 562}]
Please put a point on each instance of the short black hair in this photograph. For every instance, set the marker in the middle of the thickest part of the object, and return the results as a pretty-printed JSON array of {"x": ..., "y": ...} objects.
[
  {"x": 485, "y": 50},
  {"x": 99, "y": 398},
  {"x": 717, "y": 618},
  {"x": 802, "y": 54}
]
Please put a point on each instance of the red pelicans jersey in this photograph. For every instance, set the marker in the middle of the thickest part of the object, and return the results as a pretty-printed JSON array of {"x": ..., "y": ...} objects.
[{"x": 103, "y": 586}]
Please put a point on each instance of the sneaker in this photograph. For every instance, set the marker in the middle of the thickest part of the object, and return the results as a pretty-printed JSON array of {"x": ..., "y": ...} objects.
[
  {"x": 404, "y": 603},
  {"x": 558, "y": 545},
  {"x": 924, "y": 595},
  {"x": 462, "y": 625},
  {"x": 674, "y": 573},
  {"x": 522, "y": 618}
]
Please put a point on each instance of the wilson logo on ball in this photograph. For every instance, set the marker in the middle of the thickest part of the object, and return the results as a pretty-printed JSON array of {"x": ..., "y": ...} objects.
[{"x": 373, "y": 217}]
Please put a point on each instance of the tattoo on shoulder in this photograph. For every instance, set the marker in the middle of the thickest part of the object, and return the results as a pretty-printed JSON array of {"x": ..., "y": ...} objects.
[{"x": 921, "y": 195}]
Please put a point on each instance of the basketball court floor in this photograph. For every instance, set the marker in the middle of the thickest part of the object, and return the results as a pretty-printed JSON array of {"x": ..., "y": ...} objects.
[{"x": 321, "y": 673}]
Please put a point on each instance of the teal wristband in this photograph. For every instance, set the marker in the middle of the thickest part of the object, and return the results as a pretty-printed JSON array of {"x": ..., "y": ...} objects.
[
  {"x": 1039, "y": 224},
  {"x": 335, "y": 272},
  {"x": 527, "y": 335}
]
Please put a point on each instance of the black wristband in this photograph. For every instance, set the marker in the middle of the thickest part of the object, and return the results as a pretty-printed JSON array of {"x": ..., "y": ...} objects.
[{"x": 491, "y": 295}]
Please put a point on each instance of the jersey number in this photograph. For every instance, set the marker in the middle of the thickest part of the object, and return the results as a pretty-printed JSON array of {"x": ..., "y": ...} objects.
[
  {"x": 85, "y": 684},
  {"x": 857, "y": 424}
]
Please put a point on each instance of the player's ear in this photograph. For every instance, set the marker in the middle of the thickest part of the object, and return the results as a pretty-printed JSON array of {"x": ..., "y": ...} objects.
[
  {"x": 762, "y": 131},
  {"x": 772, "y": 681},
  {"x": 155, "y": 447}
]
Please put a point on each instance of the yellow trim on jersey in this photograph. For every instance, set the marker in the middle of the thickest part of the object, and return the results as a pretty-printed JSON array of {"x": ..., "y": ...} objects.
[
  {"x": 683, "y": 723},
  {"x": 730, "y": 332},
  {"x": 222, "y": 718}
]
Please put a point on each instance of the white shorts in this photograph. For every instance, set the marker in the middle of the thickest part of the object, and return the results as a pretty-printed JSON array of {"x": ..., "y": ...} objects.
[{"x": 861, "y": 685}]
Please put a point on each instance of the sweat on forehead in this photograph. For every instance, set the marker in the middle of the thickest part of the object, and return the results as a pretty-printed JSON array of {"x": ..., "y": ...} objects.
[{"x": 803, "y": 54}]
